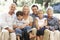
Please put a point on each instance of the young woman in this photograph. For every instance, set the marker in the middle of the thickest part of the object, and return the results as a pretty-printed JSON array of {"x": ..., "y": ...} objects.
[{"x": 28, "y": 20}]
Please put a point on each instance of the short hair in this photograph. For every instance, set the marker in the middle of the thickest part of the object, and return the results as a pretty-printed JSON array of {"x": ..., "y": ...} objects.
[
  {"x": 19, "y": 13},
  {"x": 35, "y": 6},
  {"x": 12, "y": 4},
  {"x": 40, "y": 11},
  {"x": 49, "y": 8},
  {"x": 25, "y": 6}
]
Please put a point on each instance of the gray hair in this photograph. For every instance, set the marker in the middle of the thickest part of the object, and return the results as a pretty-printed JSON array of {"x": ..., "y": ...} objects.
[
  {"x": 51, "y": 8},
  {"x": 12, "y": 4}
]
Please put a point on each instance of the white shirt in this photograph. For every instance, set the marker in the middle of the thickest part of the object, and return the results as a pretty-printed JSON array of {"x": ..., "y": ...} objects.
[
  {"x": 7, "y": 20},
  {"x": 18, "y": 22},
  {"x": 28, "y": 20},
  {"x": 41, "y": 22}
]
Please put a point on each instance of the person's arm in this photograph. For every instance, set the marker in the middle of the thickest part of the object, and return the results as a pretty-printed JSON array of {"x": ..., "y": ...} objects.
[
  {"x": 31, "y": 21},
  {"x": 55, "y": 25},
  {"x": 36, "y": 23},
  {"x": 31, "y": 24},
  {"x": 22, "y": 26},
  {"x": 45, "y": 24},
  {"x": 5, "y": 24},
  {"x": 14, "y": 26}
]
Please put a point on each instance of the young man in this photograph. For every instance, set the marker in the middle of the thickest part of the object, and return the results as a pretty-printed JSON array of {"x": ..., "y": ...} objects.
[
  {"x": 8, "y": 19},
  {"x": 34, "y": 14},
  {"x": 34, "y": 10}
]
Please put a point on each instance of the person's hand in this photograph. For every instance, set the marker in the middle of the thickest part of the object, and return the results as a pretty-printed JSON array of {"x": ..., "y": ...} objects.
[
  {"x": 53, "y": 29},
  {"x": 38, "y": 28},
  {"x": 47, "y": 27},
  {"x": 14, "y": 26},
  {"x": 24, "y": 25},
  {"x": 11, "y": 30},
  {"x": 21, "y": 27}
]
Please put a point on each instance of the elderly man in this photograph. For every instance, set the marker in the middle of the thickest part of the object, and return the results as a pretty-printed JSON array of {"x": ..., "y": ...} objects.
[
  {"x": 7, "y": 24},
  {"x": 52, "y": 24}
]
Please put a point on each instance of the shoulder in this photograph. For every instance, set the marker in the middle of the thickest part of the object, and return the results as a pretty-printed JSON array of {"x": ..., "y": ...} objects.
[
  {"x": 30, "y": 17},
  {"x": 45, "y": 16},
  {"x": 37, "y": 18},
  {"x": 4, "y": 15},
  {"x": 55, "y": 19}
]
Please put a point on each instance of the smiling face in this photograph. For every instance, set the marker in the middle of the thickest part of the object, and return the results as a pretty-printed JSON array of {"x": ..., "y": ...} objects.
[
  {"x": 12, "y": 8},
  {"x": 40, "y": 14},
  {"x": 34, "y": 9},
  {"x": 26, "y": 10},
  {"x": 50, "y": 12}
]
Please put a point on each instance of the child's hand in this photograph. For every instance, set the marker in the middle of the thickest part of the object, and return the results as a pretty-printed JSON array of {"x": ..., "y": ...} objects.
[
  {"x": 47, "y": 27},
  {"x": 24, "y": 25}
]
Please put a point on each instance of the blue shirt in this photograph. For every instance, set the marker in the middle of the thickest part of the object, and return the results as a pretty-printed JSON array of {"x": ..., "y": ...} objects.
[
  {"x": 52, "y": 23},
  {"x": 33, "y": 16}
]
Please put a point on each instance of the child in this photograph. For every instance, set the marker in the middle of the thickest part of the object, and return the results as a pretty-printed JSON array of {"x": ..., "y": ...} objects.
[
  {"x": 19, "y": 24},
  {"x": 41, "y": 22}
]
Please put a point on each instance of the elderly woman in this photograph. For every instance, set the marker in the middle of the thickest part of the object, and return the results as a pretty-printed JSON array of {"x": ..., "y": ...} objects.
[{"x": 52, "y": 24}]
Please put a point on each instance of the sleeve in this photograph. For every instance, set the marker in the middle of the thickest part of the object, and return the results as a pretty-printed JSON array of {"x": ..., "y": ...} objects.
[
  {"x": 36, "y": 18},
  {"x": 56, "y": 25},
  {"x": 45, "y": 18},
  {"x": 4, "y": 22},
  {"x": 14, "y": 23}
]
